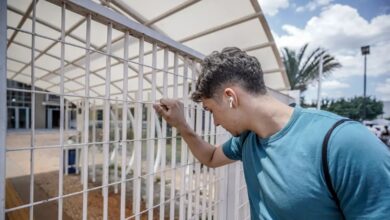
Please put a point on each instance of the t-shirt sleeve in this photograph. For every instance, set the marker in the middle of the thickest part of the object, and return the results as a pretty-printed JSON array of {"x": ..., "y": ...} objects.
[
  {"x": 233, "y": 147},
  {"x": 360, "y": 171}
]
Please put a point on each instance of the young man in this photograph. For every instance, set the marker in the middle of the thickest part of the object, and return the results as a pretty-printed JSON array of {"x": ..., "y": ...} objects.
[{"x": 280, "y": 147}]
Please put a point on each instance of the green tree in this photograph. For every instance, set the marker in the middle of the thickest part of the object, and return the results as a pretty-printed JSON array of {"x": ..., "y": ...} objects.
[
  {"x": 302, "y": 69},
  {"x": 353, "y": 107}
]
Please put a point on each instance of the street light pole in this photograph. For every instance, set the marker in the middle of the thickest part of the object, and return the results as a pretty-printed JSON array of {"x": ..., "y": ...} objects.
[{"x": 365, "y": 51}]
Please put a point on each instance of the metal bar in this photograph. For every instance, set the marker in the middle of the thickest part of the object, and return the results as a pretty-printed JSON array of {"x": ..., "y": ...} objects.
[
  {"x": 66, "y": 130},
  {"x": 132, "y": 13},
  {"x": 273, "y": 71},
  {"x": 80, "y": 135},
  {"x": 62, "y": 102},
  {"x": 31, "y": 214},
  {"x": 197, "y": 166},
  {"x": 152, "y": 134},
  {"x": 106, "y": 127},
  {"x": 138, "y": 144},
  {"x": 93, "y": 140},
  {"x": 191, "y": 156},
  {"x": 174, "y": 140},
  {"x": 212, "y": 212},
  {"x": 116, "y": 123},
  {"x": 124, "y": 126},
  {"x": 86, "y": 118},
  {"x": 221, "y": 27},
  {"x": 204, "y": 168},
  {"x": 105, "y": 15},
  {"x": 80, "y": 145},
  {"x": 164, "y": 141},
  {"x": 183, "y": 158},
  {"x": 171, "y": 12},
  {"x": 3, "y": 104},
  {"x": 259, "y": 46}
]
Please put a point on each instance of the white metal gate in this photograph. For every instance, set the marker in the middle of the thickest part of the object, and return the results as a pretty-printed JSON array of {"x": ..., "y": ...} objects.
[
  {"x": 121, "y": 161},
  {"x": 103, "y": 62}
]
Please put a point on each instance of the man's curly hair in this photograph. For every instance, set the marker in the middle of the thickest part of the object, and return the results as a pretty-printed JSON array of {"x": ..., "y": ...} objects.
[{"x": 231, "y": 66}]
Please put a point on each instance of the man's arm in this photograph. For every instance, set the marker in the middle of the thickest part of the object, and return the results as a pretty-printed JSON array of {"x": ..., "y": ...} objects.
[{"x": 173, "y": 112}]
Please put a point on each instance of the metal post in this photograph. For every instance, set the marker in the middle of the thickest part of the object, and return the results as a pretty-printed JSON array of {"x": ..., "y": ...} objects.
[
  {"x": 124, "y": 125},
  {"x": 199, "y": 117},
  {"x": 138, "y": 141},
  {"x": 183, "y": 157},
  {"x": 190, "y": 155},
  {"x": 174, "y": 142},
  {"x": 106, "y": 126},
  {"x": 164, "y": 141},
  {"x": 365, "y": 51},
  {"x": 116, "y": 124},
  {"x": 365, "y": 88},
  {"x": 3, "y": 103},
  {"x": 151, "y": 137},
  {"x": 62, "y": 102},
  {"x": 204, "y": 169},
  {"x": 86, "y": 119},
  {"x": 32, "y": 109},
  {"x": 93, "y": 141}
]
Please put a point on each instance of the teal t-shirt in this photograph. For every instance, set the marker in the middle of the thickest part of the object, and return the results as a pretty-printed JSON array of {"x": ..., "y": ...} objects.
[{"x": 284, "y": 171}]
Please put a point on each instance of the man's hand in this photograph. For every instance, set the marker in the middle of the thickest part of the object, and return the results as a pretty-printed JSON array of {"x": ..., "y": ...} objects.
[{"x": 172, "y": 111}]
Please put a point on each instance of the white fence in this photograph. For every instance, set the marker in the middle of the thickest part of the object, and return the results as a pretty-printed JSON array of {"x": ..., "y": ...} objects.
[{"x": 122, "y": 161}]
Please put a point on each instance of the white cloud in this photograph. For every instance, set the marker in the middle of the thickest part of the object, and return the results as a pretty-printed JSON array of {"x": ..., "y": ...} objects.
[
  {"x": 334, "y": 84},
  {"x": 383, "y": 89},
  {"x": 272, "y": 7},
  {"x": 342, "y": 31},
  {"x": 330, "y": 90},
  {"x": 313, "y": 5}
]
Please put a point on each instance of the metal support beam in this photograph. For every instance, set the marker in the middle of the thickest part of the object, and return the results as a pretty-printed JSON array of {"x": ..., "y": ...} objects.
[
  {"x": 171, "y": 12},
  {"x": 105, "y": 16},
  {"x": 270, "y": 38},
  {"x": 3, "y": 103},
  {"x": 223, "y": 26},
  {"x": 259, "y": 46}
]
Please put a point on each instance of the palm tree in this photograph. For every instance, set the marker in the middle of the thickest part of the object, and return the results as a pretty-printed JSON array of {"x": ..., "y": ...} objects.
[{"x": 302, "y": 70}]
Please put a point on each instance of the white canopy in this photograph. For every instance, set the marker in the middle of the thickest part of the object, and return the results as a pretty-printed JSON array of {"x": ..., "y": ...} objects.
[{"x": 203, "y": 26}]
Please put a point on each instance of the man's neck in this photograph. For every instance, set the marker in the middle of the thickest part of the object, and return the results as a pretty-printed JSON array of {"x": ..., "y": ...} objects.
[{"x": 269, "y": 116}]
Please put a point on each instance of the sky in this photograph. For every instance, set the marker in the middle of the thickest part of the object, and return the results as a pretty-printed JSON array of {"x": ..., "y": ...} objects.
[{"x": 341, "y": 27}]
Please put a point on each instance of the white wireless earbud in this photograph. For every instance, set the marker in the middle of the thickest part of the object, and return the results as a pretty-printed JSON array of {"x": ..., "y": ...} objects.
[{"x": 231, "y": 102}]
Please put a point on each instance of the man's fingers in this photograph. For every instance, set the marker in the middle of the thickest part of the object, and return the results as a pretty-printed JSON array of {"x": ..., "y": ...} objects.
[
  {"x": 160, "y": 109},
  {"x": 167, "y": 102}
]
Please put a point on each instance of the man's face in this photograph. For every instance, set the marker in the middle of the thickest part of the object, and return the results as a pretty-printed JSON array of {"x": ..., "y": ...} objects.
[{"x": 222, "y": 115}]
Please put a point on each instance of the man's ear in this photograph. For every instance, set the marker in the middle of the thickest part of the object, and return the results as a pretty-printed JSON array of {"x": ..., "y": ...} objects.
[{"x": 230, "y": 96}]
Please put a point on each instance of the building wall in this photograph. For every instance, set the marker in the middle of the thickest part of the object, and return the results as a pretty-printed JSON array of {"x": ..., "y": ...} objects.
[{"x": 40, "y": 111}]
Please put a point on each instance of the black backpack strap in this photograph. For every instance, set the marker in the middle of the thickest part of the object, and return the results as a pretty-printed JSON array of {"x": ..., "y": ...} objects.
[{"x": 325, "y": 167}]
